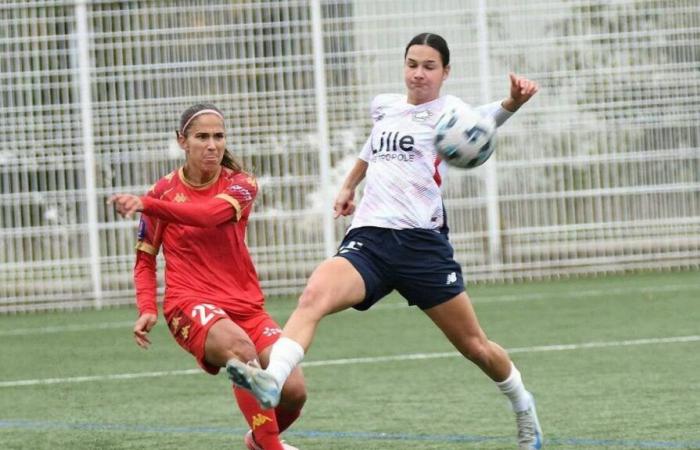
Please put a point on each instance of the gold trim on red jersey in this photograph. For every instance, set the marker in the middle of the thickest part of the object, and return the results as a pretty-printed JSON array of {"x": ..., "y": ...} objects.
[
  {"x": 193, "y": 185},
  {"x": 146, "y": 248},
  {"x": 233, "y": 202}
]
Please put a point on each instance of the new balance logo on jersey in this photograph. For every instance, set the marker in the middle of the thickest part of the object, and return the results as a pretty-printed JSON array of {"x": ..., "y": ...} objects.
[
  {"x": 451, "y": 278},
  {"x": 352, "y": 245}
]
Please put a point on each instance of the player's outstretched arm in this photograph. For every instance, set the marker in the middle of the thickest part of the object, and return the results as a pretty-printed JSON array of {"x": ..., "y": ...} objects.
[{"x": 206, "y": 214}]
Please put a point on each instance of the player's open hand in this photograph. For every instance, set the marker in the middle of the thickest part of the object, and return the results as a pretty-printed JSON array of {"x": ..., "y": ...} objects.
[
  {"x": 142, "y": 327},
  {"x": 521, "y": 90},
  {"x": 126, "y": 204}
]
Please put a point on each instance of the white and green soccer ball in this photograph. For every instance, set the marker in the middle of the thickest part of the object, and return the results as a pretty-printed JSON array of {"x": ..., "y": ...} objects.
[{"x": 464, "y": 138}]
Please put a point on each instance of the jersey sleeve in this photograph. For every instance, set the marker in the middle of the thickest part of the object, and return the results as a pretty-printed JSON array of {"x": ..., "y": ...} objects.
[
  {"x": 145, "y": 283},
  {"x": 495, "y": 110},
  {"x": 366, "y": 151},
  {"x": 377, "y": 110},
  {"x": 380, "y": 103},
  {"x": 232, "y": 203},
  {"x": 206, "y": 214},
  {"x": 150, "y": 231},
  {"x": 240, "y": 193},
  {"x": 148, "y": 244}
]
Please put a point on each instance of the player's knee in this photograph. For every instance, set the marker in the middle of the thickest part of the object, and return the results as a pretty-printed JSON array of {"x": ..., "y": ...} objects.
[
  {"x": 224, "y": 343},
  {"x": 314, "y": 300},
  {"x": 475, "y": 349},
  {"x": 241, "y": 348}
]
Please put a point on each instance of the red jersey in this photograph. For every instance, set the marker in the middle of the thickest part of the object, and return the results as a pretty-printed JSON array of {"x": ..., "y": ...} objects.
[{"x": 202, "y": 232}]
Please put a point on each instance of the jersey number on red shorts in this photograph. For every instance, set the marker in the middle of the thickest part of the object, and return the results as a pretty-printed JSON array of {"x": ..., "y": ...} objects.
[{"x": 206, "y": 312}]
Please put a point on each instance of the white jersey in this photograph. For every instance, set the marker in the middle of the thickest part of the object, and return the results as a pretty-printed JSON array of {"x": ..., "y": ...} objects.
[{"x": 405, "y": 172}]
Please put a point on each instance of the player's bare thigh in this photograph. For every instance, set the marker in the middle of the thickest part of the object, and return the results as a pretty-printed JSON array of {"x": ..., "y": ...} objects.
[{"x": 335, "y": 285}]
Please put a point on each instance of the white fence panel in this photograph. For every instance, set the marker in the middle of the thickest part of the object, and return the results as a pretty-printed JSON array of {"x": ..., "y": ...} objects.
[{"x": 600, "y": 173}]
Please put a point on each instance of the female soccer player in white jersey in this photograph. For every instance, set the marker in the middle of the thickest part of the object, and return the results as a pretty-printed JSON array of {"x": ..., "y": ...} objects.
[{"x": 398, "y": 238}]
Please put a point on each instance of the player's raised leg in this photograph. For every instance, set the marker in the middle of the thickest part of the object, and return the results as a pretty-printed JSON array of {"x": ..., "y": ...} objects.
[{"x": 335, "y": 285}]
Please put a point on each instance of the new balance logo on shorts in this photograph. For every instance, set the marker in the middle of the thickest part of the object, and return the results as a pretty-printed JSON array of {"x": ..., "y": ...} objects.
[
  {"x": 451, "y": 278},
  {"x": 352, "y": 245}
]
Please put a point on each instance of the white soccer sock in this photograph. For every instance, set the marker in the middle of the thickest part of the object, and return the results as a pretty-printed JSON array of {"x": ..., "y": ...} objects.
[
  {"x": 284, "y": 357},
  {"x": 514, "y": 389}
]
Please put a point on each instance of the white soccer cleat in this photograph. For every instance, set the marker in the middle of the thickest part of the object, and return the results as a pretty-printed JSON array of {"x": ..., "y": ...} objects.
[
  {"x": 255, "y": 380},
  {"x": 529, "y": 430},
  {"x": 252, "y": 445}
]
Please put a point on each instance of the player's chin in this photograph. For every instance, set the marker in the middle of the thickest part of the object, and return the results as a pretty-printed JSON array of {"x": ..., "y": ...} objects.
[
  {"x": 211, "y": 163},
  {"x": 423, "y": 91}
]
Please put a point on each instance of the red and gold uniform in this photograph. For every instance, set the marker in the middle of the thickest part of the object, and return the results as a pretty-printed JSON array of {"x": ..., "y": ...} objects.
[{"x": 209, "y": 274}]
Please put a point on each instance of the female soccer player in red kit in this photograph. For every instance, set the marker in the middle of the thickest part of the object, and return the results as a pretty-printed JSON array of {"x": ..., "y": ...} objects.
[{"x": 213, "y": 302}]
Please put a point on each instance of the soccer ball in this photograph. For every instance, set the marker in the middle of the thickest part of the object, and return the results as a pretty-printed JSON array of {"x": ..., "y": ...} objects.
[{"x": 464, "y": 138}]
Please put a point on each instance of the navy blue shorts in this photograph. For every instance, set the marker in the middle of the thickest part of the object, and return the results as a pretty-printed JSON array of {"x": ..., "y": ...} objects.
[{"x": 418, "y": 263}]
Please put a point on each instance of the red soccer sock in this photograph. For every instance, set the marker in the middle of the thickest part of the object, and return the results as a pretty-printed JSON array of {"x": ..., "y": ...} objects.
[
  {"x": 286, "y": 417},
  {"x": 263, "y": 422}
]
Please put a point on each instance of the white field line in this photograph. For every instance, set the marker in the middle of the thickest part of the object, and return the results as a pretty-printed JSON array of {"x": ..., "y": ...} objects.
[
  {"x": 486, "y": 299},
  {"x": 118, "y": 376},
  {"x": 392, "y": 305},
  {"x": 539, "y": 348},
  {"x": 67, "y": 328},
  {"x": 367, "y": 360}
]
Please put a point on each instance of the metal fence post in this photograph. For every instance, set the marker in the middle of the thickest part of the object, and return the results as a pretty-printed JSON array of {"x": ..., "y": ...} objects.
[
  {"x": 322, "y": 124},
  {"x": 82, "y": 37},
  {"x": 490, "y": 175}
]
